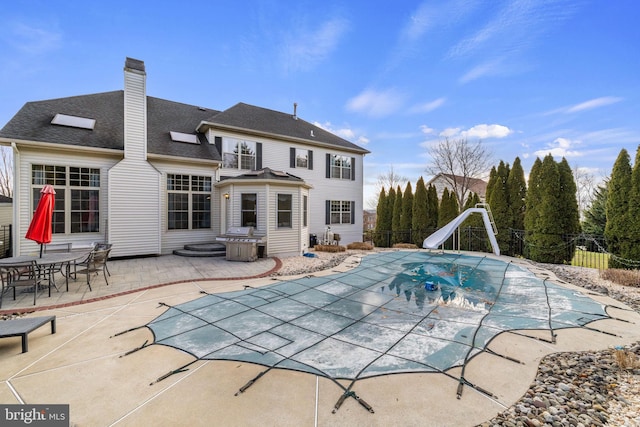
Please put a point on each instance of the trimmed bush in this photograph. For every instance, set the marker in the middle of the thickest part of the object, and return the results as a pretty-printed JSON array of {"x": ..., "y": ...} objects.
[
  {"x": 329, "y": 248},
  {"x": 363, "y": 246}
]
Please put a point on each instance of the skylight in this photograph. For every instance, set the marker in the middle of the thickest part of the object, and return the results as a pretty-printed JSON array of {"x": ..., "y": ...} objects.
[
  {"x": 73, "y": 121},
  {"x": 184, "y": 137}
]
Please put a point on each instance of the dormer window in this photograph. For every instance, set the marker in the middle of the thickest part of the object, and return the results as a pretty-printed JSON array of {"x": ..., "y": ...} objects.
[
  {"x": 184, "y": 137},
  {"x": 73, "y": 121}
]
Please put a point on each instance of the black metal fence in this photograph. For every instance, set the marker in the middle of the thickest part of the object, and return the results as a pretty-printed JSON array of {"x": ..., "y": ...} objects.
[
  {"x": 582, "y": 250},
  {"x": 470, "y": 238},
  {"x": 5, "y": 241}
]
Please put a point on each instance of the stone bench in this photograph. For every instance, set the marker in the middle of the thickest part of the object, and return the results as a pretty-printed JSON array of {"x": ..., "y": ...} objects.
[{"x": 21, "y": 327}]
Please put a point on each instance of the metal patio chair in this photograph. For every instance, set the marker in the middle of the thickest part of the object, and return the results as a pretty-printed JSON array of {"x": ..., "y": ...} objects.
[
  {"x": 23, "y": 275},
  {"x": 95, "y": 263}
]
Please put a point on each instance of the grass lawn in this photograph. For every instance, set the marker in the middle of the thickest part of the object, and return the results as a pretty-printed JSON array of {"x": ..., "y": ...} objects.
[{"x": 590, "y": 259}]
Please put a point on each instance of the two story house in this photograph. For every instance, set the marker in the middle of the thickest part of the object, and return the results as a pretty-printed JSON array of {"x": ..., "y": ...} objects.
[{"x": 150, "y": 175}]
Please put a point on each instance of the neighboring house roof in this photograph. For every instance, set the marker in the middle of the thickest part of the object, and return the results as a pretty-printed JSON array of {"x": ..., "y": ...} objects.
[
  {"x": 5, "y": 199},
  {"x": 248, "y": 117},
  {"x": 33, "y": 123},
  {"x": 476, "y": 185}
]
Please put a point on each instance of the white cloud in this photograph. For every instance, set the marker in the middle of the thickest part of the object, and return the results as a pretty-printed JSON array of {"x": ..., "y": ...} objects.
[
  {"x": 487, "y": 131},
  {"x": 346, "y": 133},
  {"x": 489, "y": 68},
  {"x": 419, "y": 22},
  {"x": 32, "y": 40},
  {"x": 450, "y": 132},
  {"x": 560, "y": 147},
  {"x": 481, "y": 131},
  {"x": 593, "y": 103},
  {"x": 426, "y": 130},
  {"x": 428, "y": 106},
  {"x": 376, "y": 103},
  {"x": 306, "y": 48},
  {"x": 514, "y": 28}
]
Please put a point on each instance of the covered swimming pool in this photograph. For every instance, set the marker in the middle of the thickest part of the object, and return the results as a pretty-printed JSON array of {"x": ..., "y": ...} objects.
[{"x": 396, "y": 312}]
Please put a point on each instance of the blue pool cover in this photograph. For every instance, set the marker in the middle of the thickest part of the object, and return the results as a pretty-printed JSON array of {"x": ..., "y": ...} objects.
[{"x": 402, "y": 311}]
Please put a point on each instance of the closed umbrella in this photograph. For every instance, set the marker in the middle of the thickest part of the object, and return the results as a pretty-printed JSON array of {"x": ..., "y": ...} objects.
[{"x": 40, "y": 227}]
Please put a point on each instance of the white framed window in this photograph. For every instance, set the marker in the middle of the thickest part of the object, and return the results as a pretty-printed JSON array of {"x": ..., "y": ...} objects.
[
  {"x": 249, "y": 210},
  {"x": 305, "y": 210},
  {"x": 188, "y": 202},
  {"x": 77, "y": 200},
  {"x": 302, "y": 158},
  {"x": 340, "y": 167},
  {"x": 340, "y": 212},
  {"x": 239, "y": 154},
  {"x": 285, "y": 210}
]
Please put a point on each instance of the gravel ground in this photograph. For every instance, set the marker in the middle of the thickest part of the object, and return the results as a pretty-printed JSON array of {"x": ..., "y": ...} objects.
[{"x": 578, "y": 389}]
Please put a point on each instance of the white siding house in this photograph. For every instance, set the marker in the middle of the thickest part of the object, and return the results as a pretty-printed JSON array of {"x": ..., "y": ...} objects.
[{"x": 151, "y": 176}]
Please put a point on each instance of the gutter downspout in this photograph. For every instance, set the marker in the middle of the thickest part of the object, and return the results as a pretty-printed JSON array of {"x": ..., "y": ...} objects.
[{"x": 15, "y": 249}]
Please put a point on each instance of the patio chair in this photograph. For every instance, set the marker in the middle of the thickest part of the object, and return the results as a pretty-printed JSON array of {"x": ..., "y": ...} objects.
[
  {"x": 95, "y": 263},
  {"x": 23, "y": 275},
  {"x": 102, "y": 246}
]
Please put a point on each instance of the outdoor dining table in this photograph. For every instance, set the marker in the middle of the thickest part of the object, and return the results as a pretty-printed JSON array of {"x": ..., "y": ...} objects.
[{"x": 49, "y": 261}]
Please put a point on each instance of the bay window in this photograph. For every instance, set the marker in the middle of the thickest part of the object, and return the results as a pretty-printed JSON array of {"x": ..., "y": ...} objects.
[
  {"x": 249, "y": 209},
  {"x": 284, "y": 213}
]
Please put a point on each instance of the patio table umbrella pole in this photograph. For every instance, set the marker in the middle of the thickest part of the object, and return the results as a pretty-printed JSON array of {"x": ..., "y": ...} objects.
[{"x": 41, "y": 223}]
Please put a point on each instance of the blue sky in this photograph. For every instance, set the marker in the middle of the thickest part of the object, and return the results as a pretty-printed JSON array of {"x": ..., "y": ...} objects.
[{"x": 524, "y": 77}]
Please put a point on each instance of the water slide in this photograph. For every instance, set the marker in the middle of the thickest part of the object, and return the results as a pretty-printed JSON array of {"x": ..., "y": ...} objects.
[{"x": 439, "y": 237}]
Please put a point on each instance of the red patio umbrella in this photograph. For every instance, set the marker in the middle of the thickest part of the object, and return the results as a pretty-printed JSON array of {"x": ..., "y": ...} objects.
[{"x": 40, "y": 227}]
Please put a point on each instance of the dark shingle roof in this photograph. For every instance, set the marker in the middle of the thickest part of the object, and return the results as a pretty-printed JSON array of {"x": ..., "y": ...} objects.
[
  {"x": 5, "y": 199},
  {"x": 245, "y": 116},
  {"x": 266, "y": 174},
  {"x": 33, "y": 123},
  {"x": 167, "y": 116}
]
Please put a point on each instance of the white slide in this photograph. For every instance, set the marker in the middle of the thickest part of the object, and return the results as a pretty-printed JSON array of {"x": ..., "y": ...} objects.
[{"x": 439, "y": 237}]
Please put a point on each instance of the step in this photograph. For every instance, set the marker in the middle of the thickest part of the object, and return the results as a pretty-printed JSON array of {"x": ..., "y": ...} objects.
[
  {"x": 199, "y": 253},
  {"x": 202, "y": 250},
  {"x": 205, "y": 247}
]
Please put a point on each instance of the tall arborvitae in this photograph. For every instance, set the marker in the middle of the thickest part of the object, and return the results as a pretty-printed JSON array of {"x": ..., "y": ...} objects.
[
  {"x": 546, "y": 240},
  {"x": 396, "y": 217},
  {"x": 380, "y": 219},
  {"x": 595, "y": 217},
  {"x": 433, "y": 207},
  {"x": 517, "y": 189},
  {"x": 406, "y": 222},
  {"x": 616, "y": 231},
  {"x": 570, "y": 218},
  {"x": 631, "y": 248},
  {"x": 490, "y": 183},
  {"x": 570, "y": 212},
  {"x": 447, "y": 212},
  {"x": 499, "y": 203},
  {"x": 534, "y": 197},
  {"x": 391, "y": 201},
  {"x": 419, "y": 214},
  {"x": 473, "y": 236}
]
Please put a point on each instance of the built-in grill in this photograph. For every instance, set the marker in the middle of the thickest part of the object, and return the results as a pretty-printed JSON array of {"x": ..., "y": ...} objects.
[{"x": 241, "y": 244}]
